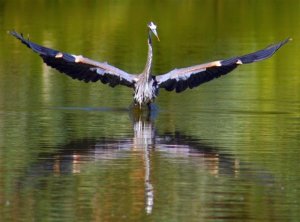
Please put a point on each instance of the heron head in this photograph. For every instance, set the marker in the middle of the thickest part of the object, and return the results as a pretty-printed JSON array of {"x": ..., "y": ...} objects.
[{"x": 153, "y": 27}]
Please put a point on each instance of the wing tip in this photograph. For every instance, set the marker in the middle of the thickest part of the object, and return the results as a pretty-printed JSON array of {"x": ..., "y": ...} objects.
[
  {"x": 20, "y": 37},
  {"x": 15, "y": 34},
  {"x": 288, "y": 39}
]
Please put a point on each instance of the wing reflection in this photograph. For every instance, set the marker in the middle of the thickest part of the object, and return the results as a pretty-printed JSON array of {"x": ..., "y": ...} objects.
[{"x": 71, "y": 158}]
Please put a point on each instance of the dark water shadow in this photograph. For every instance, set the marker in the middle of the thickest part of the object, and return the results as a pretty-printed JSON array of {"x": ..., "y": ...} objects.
[{"x": 68, "y": 157}]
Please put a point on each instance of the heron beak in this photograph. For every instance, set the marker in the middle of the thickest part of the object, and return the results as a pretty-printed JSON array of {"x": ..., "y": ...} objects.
[{"x": 155, "y": 33}]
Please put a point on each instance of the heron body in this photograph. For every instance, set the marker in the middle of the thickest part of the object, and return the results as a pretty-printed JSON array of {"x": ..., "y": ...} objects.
[{"x": 145, "y": 85}]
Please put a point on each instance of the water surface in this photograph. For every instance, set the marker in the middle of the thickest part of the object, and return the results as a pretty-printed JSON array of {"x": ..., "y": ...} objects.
[{"x": 226, "y": 151}]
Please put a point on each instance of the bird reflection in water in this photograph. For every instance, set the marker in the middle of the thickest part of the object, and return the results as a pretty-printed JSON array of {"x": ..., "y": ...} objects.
[
  {"x": 71, "y": 158},
  {"x": 144, "y": 137}
]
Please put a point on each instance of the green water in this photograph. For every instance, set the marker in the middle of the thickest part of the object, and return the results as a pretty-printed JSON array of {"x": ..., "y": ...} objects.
[{"x": 226, "y": 151}]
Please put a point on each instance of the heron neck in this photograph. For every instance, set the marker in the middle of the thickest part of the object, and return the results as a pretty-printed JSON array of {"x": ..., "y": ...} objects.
[{"x": 147, "y": 70}]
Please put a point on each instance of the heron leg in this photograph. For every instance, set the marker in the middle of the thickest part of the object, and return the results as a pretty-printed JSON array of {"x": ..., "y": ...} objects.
[{"x": 149, "y": 106}]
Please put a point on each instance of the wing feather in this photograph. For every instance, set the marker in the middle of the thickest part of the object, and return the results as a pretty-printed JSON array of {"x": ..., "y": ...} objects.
[
  {"x": 79, "y": 67},
  {"x": 190, "y": 77}
]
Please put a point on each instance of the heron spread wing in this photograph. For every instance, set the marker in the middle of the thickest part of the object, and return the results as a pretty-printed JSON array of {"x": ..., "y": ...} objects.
[
  {"x": 181, "y": 79},
  {"x": 79, "y": 67}
]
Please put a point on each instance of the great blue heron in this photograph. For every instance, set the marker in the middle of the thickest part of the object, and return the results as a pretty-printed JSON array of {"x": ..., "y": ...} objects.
[{"x": 145, "y": 85}]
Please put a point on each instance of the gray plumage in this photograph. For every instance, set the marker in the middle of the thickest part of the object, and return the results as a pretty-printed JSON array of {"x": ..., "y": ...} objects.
[{"x": 145, "y": 85}]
